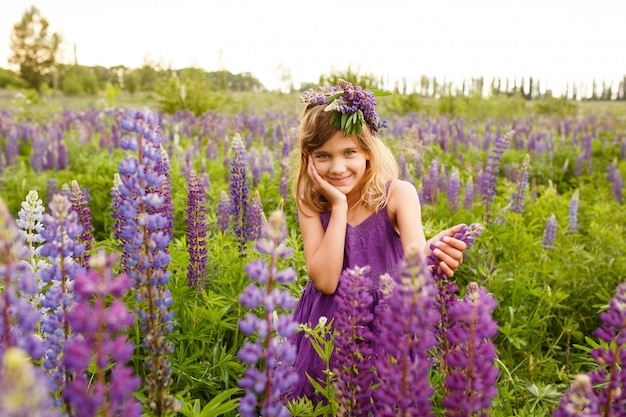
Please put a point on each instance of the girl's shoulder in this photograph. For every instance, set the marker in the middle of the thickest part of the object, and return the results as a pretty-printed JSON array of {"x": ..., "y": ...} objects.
[
  {"x": 401, "y": 192},
  {"x": 400, "y": 188}
]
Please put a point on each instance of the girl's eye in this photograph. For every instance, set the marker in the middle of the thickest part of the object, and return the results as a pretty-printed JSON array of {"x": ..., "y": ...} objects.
[{"x": 321, "y": 156}]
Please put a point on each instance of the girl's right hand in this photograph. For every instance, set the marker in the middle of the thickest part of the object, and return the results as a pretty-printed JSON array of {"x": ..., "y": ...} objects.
[{"x": 330, "y": 193}]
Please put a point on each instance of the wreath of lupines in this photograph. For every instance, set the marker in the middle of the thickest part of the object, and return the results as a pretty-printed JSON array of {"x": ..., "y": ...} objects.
[{"x": 351, "y": 106}]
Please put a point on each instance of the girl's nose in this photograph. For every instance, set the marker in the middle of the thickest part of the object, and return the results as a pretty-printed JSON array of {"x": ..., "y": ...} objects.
[{"x": 337, "y": 167}]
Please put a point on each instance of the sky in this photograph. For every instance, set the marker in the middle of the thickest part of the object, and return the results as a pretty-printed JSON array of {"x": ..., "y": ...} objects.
[{"x": 557, "y": 42}]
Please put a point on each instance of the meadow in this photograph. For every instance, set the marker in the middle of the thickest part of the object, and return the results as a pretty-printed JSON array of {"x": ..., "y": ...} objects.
[{"x": 546, "y": 187}]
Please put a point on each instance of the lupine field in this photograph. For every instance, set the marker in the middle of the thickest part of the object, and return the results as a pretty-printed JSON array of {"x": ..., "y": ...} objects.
[{"x": 149, "y": 265}]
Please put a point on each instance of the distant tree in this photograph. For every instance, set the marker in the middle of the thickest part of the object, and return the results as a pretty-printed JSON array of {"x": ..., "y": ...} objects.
[
  {"x": 187, "y": 92},
  {"x": 132, "y": 81},
  {"x": 367, "y": 81},
  {"x": 150, "y": 74},
  {"x": 104, "y": 76},
  {"x": 34, "y": 49},
  {"x": 78, "y": 80}
]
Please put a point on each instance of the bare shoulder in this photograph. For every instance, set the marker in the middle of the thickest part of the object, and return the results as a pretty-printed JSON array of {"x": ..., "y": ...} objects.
[
  {"x": 401, "y": 193},
  {"x": 309, "y": 219}
]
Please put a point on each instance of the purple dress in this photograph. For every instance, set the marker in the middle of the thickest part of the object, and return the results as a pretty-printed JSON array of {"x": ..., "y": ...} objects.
[{"x": 373, "y": 242}]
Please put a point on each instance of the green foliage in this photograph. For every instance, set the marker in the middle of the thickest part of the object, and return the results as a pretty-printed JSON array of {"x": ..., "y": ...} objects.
[
  {"x": 403, "y": 104},
  {"x": 555, "y": 107},
  {"x": 322, "y": 338},
  {"x": 33, "y": 48},
  {"x": 218, "y": 406},
  {"x": 110, "y": 93},
  {"x": 548, "y": 300},
  {"x": 367, "y": 81},
  {"x": 79, "y": 80},
  {"x": 10, "y": 80},
  {"x": 190, "y": 94}
]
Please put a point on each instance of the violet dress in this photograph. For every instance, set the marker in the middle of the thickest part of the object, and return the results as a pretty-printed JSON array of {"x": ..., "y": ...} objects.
[{"x": 373, "y": 242}]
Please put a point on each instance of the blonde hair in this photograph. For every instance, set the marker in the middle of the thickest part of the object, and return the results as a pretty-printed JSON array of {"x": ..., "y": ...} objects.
[{"x": 314, "y": 130}]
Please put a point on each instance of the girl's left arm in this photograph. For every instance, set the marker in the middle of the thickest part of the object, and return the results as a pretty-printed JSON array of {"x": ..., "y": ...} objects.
[{"x": 406, "y": 212}]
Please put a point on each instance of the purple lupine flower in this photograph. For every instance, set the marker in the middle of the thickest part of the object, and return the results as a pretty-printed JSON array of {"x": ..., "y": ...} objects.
[
  {"x": 610, "y": 377},
  {"x": 422, "y": 190},
  {"x": 206, "y": 185},
  {"x": 223, "y": 212},
  {"x": 352, "y": 360},
  {"x": 454, "y": 190},
  {"x": 470, "y": 383},
  {"x": 61, "y": 232},
  {"x": 418, "y": 165},
  {"x": 433, "y": 182},
  {"x": 284, "y": 166},
  {"x": 517, "y": 205},
  {"x": 580, "y": 400},
  {"x": 403, "y": 326},
  {"x": 255, "y": 168},
  {"x": 52, "y": 187},
  {"x": 118, "y": 218},
  {"x": 62, "y": 155},
  {"x": 587, "y": 142},
  {"x": 18, "y": 317},
  {"x": 12, "y": 147},
  {"x": 98, "y": 351},
  {"x": 468, "y": 198},
  {"x": 267, "y": 164},
  {"x": 255, "y": 220},
  {"x": 549, "y": 233},
  {"x": 618, "y": 185},
  {"x": 166, "y": 209},
  {"x": 615, "y": 178},
  {"x": 442, "y": 181},
  {"x": 239, "y": 191},
  {"x": 490, "y": 175},
  {"x": 572, "y": 212},
  {"x": 23, "y": 386},
  {"x": 145, "y": 239},
  {"x": 404, "y": 174},
  {"x": 80, "y": 206},
  {"x": 269, "y": 354},
  {"x": 612, "y": 171},
  {"x": 580, "y": 160},
  {"x": 446, "y": 288},
  {"x": 196, "y": 230}
]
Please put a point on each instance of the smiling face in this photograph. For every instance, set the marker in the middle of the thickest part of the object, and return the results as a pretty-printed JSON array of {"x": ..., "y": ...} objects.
[{"x": 342, "y": 163}]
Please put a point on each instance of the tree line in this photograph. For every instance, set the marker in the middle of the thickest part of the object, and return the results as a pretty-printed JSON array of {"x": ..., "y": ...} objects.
[{"x": 35, "y": 49}]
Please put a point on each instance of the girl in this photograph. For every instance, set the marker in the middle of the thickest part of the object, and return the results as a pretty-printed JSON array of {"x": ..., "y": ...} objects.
[{"x": 353, "y": 210}]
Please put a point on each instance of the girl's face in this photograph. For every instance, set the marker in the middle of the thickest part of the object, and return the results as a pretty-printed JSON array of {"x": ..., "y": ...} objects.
[{"x": 341, "y": 162}]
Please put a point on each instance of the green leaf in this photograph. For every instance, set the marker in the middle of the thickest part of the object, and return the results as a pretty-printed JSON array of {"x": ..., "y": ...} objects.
[
  {"x": 334, "y": 96},
  {"x": 334, "y": 117},
  {"x": 344, "y": 119},
  {"x": 221, "y": 404},
  {"x": 381, "y": 93}
]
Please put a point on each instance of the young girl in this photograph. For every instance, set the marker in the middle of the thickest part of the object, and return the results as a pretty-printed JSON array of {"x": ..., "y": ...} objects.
[{"x": 353, "y": 210}]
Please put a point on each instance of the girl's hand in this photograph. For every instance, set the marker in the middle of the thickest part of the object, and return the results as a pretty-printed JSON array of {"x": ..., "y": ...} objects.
[
  {"x": 332, "y": 194},
  {"x": 448, "y": 249}
]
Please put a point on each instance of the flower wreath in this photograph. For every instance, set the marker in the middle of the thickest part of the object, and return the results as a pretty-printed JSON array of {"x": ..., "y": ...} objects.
[{"x": 351, "y": 106}]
